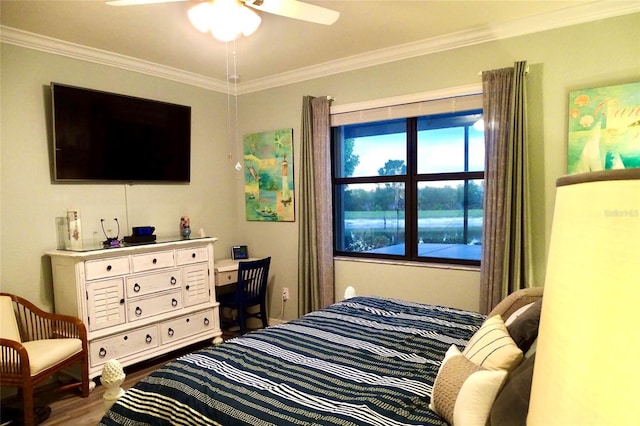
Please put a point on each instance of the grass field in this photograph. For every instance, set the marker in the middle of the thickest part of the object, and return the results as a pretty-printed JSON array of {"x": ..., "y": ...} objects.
[
  {"x": 366, "y": 230},
  {"x": 422, "y": 214}
]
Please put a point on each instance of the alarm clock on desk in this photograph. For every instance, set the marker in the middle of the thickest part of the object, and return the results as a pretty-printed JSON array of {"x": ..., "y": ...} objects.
[{"x": 239, "y": 252}]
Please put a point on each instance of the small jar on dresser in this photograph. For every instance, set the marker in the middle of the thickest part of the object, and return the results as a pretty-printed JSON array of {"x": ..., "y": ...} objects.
[{"x": 141, "y": 301}]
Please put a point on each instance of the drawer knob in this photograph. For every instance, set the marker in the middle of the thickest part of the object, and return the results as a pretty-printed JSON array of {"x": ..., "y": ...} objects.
[
  {"x": 148, "y": 339},
  {"x": 155, "y": 261},
  {"x": 206, "y": 321},
  {"x": 136, "y": 287},
  {"x": 193, "y": 255},
  {"x": 102, "y": 353},
  {"x": 174, "y": 302},
  {"x": 138, "y": 311},
  {"x": 170, "y": 332},
  {"x": 173, "y": 280},
  {"x": 229, "y": 276},
  {"x": 122, "y": 301},
  {"x": 108, "y": 267},
  {"x": 187, "y": 287}
]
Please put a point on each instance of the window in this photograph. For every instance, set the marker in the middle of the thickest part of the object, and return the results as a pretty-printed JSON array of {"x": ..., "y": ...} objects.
[{"x": 410, "y": 188}]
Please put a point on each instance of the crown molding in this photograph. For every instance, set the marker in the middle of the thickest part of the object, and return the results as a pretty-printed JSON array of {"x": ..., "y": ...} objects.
[
  {"x": 583, "y": 13},
  {"x": 587, "y": 12},
  {"x": 45, "y": 44}
]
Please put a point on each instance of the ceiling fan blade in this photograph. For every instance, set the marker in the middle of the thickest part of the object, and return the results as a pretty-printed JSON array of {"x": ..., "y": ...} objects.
[
  {"x": 296, "y": 10},
  {"x": 138, "y": 2}
]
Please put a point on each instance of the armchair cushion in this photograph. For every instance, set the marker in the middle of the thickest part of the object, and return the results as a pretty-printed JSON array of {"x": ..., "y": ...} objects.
[
  {"x": 46, "y": 353},
  {"x": 8, "y": 324},
  {"x": 50, "y": 342}
]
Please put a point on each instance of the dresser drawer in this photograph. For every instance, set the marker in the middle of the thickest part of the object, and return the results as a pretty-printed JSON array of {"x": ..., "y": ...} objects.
[
  {"x": 153, "y": 283},
  {"x": 151, "y": 261},
  {"x": 188, "y": 325},
  {"x": 192, "y": 255},
  {"x": 95, "y": 269},
  {"x": 226, "y": 277},
  {"x": 138, "y": 309},
  {"x": 121, "y": 345}
]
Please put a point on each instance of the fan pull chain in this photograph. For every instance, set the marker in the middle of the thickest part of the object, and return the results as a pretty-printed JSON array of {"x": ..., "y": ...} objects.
[{"x": 235, "y": 77}]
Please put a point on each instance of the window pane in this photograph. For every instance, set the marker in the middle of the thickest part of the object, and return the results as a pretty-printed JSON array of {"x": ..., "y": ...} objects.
[
  {"x": 372, "y": 218},
  {"x": 475, "y": 199},
  {"x": 372, "y": 187},
  {"x": 373, "y": 149},
  {"x": 441, "y": 150},
  {"x": 442, "y": 229},
  {"x": 476, "y": 150}
]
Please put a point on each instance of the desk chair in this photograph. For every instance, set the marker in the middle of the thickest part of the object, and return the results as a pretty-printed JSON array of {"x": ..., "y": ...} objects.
[
  {"x": 251, "y": 290},
  {"x": 36, "y": 345}
]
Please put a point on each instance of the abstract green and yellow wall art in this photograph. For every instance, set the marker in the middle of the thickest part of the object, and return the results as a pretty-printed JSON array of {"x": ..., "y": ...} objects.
[
  {"x": 604, "y": 128},
  {"x": 268, "y": 176}
]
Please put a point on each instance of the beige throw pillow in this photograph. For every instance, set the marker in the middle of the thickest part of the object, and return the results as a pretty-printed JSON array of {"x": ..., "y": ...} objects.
[
  {"x": 463, "y": 392},
  {"x": 492, "y": 347}
]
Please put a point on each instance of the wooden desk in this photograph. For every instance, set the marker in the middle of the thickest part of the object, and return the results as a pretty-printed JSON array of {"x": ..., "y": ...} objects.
[{"x": 226, "y": 271}]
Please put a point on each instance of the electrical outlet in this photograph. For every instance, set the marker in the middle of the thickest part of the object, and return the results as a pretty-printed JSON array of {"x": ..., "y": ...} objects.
[{"x": 285, "y": 294}]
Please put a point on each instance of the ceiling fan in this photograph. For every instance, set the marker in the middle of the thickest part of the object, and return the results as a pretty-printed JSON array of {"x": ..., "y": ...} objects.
[{"x": 289, "y": 8}]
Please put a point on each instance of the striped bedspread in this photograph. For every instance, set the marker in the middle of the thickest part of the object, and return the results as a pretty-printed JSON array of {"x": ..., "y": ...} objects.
[{"x": 362, "y": 361}]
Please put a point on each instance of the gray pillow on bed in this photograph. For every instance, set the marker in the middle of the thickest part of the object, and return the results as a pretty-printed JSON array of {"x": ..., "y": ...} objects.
[
  {"x": 512, "y": 403},
  {"x": 524, "y": 329}
]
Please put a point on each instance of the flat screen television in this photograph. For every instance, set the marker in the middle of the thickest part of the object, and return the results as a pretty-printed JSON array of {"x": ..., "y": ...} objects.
[{"x": 107, "y": 137}]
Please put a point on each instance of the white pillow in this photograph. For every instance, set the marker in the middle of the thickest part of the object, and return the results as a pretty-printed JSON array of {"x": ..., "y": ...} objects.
[
  {"x": 492, "y": 347},
  {"x": 463, "y": 392},
  {"x": 521, "y": 310}
]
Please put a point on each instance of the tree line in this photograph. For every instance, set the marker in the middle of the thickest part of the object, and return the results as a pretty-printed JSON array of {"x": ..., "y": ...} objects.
[{"x": 390, "y": 196}]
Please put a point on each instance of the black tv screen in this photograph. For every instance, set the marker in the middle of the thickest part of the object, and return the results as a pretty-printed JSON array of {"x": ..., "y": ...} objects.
[{"x": 100, "y": 136}]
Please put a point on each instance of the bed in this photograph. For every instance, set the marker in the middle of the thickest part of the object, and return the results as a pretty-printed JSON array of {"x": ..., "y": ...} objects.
[{"x": 364, "y": 360}]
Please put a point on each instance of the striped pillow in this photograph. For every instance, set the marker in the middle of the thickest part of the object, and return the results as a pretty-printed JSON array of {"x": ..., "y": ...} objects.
[{"x": 492, "y": 347}]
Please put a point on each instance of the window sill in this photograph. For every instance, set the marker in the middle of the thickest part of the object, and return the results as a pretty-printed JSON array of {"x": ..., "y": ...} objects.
[
  {"x": 432, "y": 265},
  {"x": 446, "y": 251}
]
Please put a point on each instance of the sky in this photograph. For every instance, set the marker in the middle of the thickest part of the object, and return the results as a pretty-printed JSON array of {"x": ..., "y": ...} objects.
[{"x": 437, "y": 154}]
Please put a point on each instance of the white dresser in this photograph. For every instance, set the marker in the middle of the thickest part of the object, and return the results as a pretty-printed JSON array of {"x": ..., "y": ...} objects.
[{"x": 139, "y": 302}]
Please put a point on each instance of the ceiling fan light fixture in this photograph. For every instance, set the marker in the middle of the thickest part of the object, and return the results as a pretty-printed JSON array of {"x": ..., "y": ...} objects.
[
  {"x": 249, "y": 21},
  {"x": 225, "y": 19},
  {"x": 200, "y": 16}
]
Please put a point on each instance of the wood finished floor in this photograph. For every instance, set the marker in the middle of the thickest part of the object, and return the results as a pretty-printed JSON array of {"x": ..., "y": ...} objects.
[{"x": 69, "y": 408}]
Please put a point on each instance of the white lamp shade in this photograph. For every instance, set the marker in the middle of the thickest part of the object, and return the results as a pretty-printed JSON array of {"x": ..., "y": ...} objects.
[{"x": 586, "y": 368}]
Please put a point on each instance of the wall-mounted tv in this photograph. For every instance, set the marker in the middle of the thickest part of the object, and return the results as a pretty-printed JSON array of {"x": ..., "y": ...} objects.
[{"x": 108, "y": 137}]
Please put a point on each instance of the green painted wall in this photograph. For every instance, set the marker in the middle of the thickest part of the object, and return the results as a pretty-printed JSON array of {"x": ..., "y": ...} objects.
[
  {"x": 588, "y": 55},
  {"x": 30, "y": 203}
]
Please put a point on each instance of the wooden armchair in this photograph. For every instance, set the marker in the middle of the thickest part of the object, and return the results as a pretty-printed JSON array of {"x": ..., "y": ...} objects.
[{"x": 36, "y": 344}]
